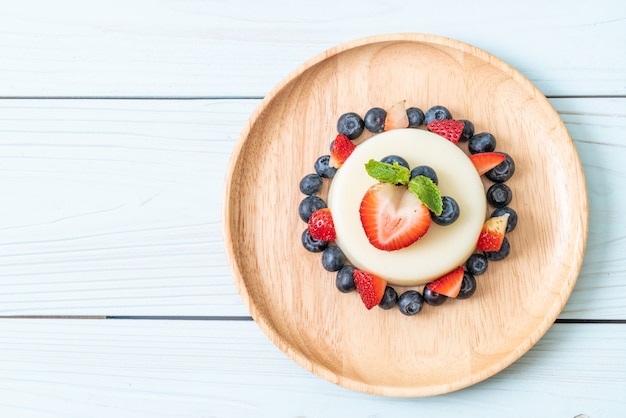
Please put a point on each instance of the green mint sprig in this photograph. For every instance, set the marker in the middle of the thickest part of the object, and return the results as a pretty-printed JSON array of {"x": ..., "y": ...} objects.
[
  {"x": 427, "y": 192},
  {"x": 388, "y": 173}
]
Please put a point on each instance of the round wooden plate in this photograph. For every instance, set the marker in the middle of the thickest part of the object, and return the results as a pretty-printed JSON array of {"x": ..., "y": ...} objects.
[{"x": 442, "y": 349}]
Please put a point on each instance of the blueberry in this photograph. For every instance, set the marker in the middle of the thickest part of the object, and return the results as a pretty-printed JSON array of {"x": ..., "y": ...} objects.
[
  {"x": 323, "y": 169},
  {"x": 434, "y": 298},
  {"x": 390, "y": 297},
  {"x": 499, "y": 195},
  {"x": 476, "y": 264},
  {"x": 512, "y": 223},
  {"x": 375, "y": 120},
  {"x": 437, "y": 113},
  {"x": 311, "y": 184},
  {"x": 333, "y": 258},
  {"x": 502, "y": 253},
  {"x": 311, "y": 244},
  {"x": 468, "y": 130},
  {"x": 345, "y": 279},
  {"x": 468, "y": 286},
  {"x": 351, "y": 125},
  {"x": 503, "y": 171},
  {"x": 449, "y": 214},
  {"x": 416, "y": 117},
  {"x": 424, "y": 170},
  {"x": 309, "y": 205},
  {"x": 390, "y": 159},
  {"x": 482, "y": 142},
  {"x": 410, "y": 302}
]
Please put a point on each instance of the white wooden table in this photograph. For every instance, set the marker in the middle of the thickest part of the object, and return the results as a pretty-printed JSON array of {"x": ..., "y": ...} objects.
[{"x": 117, "y": 120}]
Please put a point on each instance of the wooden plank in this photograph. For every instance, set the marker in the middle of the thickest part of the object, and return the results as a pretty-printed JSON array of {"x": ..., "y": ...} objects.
[
  {"x": 114, "y": 207},
  {"x": 173, "y": 48},
  {"x": 210, "y": 368}
]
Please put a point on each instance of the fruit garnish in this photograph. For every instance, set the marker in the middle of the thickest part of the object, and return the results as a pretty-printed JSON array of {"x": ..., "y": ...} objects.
[
  {"x": 342, "y": 148},
  {"x": 393, "y": 217},
  {"x": 321, "y": 226},
  {"x": 447, "y": 128},
  {"x": 388, "y": 173},
  {"x": 485, "y": 161},
  {"x": 427, "y": 192},
  {"x": 370, "y": 287},
  {"x": 448, "y": 284},
  {"x": 492, "y": 233},
  {"x": 396, "y": 117}
]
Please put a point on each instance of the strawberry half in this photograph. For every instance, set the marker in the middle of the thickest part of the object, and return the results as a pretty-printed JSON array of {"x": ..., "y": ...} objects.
[
  {"x": 396, "y": 117},
  {"x": 492, "y": 234},
  {"x": 342, "y": 148},
  {"x": 449, "y": 284},
  {"x": 321, "y": 225},
  {"x": 448, "y": 128},
  {"x": 370, "y": 287},
  {"x": 393, "y": 217},
  {"x": 485, "y": 161}
]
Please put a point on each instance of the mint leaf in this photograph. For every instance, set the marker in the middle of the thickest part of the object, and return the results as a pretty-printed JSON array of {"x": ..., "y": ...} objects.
[
  {"x": 427, "y": 192},
  {"x": 388, "y": 173}
]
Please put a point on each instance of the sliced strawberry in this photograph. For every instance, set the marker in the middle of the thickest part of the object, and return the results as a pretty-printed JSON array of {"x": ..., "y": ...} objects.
[
  {"x": 370, "y": 287},
  {"x": 485, "y": 161},
  {"x": 448, "y": 128},
  {"x": 393, "y": 217},
  {"x": 396, "y": 117},
  {"x": 321, "y": 225},
  {"x": 492, "y": 234},
  {"x": 449, "y": 284},
  {"x": 342, "y": 148}
]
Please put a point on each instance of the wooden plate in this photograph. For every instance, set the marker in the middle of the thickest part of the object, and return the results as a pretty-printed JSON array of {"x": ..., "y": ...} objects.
[{"x": 442, "y": 349}]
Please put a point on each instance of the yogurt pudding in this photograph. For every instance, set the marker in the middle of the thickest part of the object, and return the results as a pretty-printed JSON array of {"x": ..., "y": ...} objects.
[{"x": 443, "y": 248}]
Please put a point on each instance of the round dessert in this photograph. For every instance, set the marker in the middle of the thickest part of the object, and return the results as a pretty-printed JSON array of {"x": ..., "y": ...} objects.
[{"x": 439, "y": 251}]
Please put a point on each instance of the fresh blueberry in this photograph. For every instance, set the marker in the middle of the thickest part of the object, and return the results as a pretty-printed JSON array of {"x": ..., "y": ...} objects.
[
  {"x": 499, "y": 195},
  {"x": 390, "y": 298},
  {"x": 311, "y": 244},
  {"x": 309, "y": 205},
  {"x": 323, "y": 169},
  {"x": 345, "y": 279},
  {"x": 390, "y": 159},
  {"x": 512, "y": 222},
  {"x": 424, "y": 170},
  {"x": 330, "y": 148},
  {"x": 434, "y": 298},
  {"x": 503, "y": 171},
  {"x": 375, "y": 119},
  {"x": 481, "y": 142},
  {"x": 449, "y": 214},
  {"x": 351, "y": 125},
  {"x": 311, "y": 184},
  {"x": 468, "y": 131},
  {"x": 410, "y": 302},
  {"x": 333, "y": 258},
  {"x": 416, "y": 117},
  {"x": 476, "y": 264},
  {"x": 468, "y": 286},
  {"x": 436, "y": 113},
  {"x": 502, "y": 253}
]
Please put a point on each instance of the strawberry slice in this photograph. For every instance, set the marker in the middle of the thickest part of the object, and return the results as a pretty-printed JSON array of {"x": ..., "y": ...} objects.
[
  {"x": 393, "y": 217},
  {"x": 485, "y": 161},
  {"x": 396, "y": 117},
  {"x": 370, "y": 287},
  {"x": 448, "y": 284},
  {"x": 321, "y": 225},
  {"x": 342, "y": 148},
  {"x": 448, "y": 128},
  {"x": 492, "y": 234}
]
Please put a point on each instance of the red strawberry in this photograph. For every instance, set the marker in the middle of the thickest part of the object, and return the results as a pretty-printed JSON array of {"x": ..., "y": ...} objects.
[
  {"x": 321, "y": 226},
  {"x": 370, "y": 287},
  {"x": 342, "y": 148},
  {"x": 449, "y": 284},
  {"x": 492, "y": 234},
  {"x": 448, "y": 128},
  {"x": 396, "y": 117},
  {"x": 485, "y": 161},
  {"x": 393, "y": 217}
]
